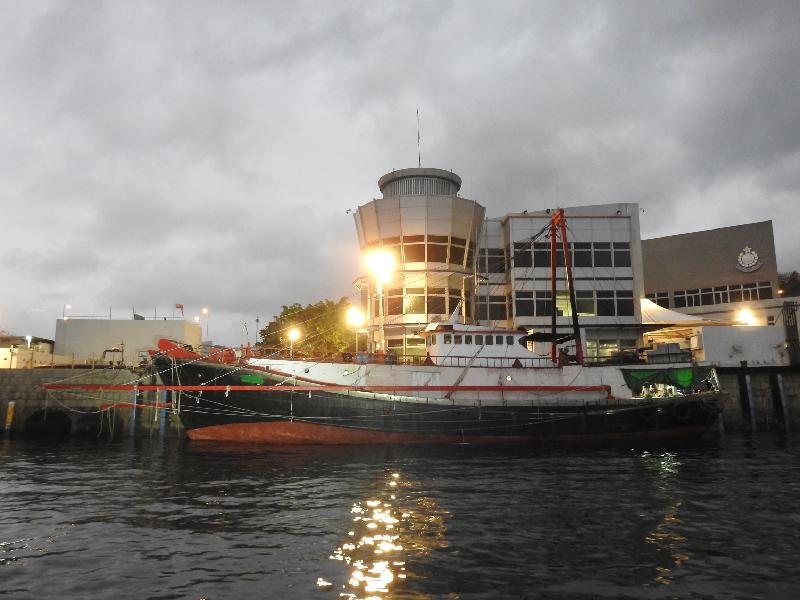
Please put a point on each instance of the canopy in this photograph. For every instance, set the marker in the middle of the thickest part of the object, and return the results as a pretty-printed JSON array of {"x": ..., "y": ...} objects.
[{"x": 653, "y": 314}]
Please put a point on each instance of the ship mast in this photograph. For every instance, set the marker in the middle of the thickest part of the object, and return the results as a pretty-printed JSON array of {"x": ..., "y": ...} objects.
[{"x": 558, "y": 225}]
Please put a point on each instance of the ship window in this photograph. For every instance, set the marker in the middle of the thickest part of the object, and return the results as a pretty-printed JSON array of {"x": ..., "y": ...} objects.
[
  {"x": 468, "y": 339},
  {"x": 509, "y": 340},
  {"x": 499, "y": 340},
  {"x": 457, "y": 339},
  {"x": 438, "y": 239},
  {"x": 448, "y": 339},
  {"x": 489, "y": 340},
  {"x": 479, "y": 340}
]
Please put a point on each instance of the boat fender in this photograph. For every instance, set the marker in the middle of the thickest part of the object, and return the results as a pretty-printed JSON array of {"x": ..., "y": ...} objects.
[
  {"x": 682, "y": 411},
  {"x": 647, "y": 413}
]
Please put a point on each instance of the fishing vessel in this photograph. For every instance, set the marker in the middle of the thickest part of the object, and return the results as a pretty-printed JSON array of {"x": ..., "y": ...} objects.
[
  {"x": 503, "y": 396},
  {"x": 475, "y": 384}
]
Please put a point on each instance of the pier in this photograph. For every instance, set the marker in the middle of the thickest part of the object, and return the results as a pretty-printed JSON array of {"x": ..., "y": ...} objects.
[{"x": 29, "y": 410}]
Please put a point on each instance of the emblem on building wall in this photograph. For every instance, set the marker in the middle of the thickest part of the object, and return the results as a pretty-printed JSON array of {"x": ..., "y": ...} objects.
[{"x": 748, "y": 260}]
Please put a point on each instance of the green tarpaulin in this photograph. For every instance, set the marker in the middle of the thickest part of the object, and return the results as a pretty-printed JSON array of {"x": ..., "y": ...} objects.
[{"x": 683, "y": 378}]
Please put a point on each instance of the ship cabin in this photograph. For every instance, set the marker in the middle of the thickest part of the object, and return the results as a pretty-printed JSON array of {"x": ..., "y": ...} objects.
[{"x": 451, "y": 344}]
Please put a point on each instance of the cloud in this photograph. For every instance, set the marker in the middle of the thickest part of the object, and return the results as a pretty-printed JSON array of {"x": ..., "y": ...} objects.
[{"x": 206, "y": 152}]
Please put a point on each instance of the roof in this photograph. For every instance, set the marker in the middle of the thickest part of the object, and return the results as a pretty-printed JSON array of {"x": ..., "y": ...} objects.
[{"x": 653, "y": 314}]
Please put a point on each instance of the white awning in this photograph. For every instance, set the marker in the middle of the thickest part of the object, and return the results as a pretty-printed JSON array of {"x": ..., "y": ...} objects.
[{"x": 653, "y": 314}]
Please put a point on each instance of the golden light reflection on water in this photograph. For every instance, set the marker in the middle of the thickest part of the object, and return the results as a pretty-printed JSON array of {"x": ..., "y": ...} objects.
[
  {"x": 389, "y": 529},
  {"x": 665, "y": 537}
]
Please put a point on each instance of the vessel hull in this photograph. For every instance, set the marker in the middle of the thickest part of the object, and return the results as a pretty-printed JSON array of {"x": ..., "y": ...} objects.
[{"x": 332, "y": 417}]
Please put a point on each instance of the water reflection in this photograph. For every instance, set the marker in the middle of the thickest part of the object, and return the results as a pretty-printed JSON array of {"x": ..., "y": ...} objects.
[
  {"x": 390, "y": 532},
  {"x": 666, "y": 536}
]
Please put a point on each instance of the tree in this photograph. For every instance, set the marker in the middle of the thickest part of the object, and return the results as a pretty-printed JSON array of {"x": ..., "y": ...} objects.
[{"x": 323, "y": 329}]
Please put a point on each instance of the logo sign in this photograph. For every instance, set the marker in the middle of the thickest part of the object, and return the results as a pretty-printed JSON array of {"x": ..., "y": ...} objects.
[{"x": 748, "y": 260}]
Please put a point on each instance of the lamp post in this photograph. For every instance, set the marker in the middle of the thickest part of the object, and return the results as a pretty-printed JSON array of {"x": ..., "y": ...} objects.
[
  {"x": 205, "y": 314},
  {"x": 381, "y": 264},
  {"x": 293, "y": 334},
  {"x": 64, "y": 310},
  {"x": 355, "y": 318}
]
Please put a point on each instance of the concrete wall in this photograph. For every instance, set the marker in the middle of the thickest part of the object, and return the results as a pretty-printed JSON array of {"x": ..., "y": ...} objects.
[
  {"x": 729, "y": 346},
  {"x": 766, "y": 399},
  {"x": 708, "y": 258},
  {"x": 32, "y": 402},
  {"x": 86, "y": 339}
]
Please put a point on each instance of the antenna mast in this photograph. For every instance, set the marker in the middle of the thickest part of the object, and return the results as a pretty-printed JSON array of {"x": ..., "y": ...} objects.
[{"x": 419, "y": 152}]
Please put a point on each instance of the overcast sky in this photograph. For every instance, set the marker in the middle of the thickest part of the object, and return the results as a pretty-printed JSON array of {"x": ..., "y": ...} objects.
[{"x": 206, "y": 153}]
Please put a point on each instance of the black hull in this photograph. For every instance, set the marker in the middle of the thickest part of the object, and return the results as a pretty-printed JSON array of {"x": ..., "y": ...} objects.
[{"x": 320, "y": 417}]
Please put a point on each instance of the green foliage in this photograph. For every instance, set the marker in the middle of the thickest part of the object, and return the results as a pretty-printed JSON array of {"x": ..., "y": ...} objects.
[{"x": 323, "y": 329}]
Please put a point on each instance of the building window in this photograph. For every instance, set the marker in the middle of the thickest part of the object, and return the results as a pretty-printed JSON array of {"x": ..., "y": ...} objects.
[
  {"x": 524, "y": 304},
  {"x": 436, "y": 305},
  {"x": 492, "y": 260},
  {"x": 582, "y": 254},
  {"x": 622, "y": 254},
  {"x": 605, "y": 303},
  {"x": 660, "y": 298},
  {"x": 541, "y": 254},
  {"x": 602, "y": 254},
  {"x": 497, "y": 308},
  {"x": 624, "y": 303},
  {"x": 722, "y": 294},
  {"x": 522, "y": 255},
  {"x": 544, "y": 304},
  {"x": 584, "y": 299}
]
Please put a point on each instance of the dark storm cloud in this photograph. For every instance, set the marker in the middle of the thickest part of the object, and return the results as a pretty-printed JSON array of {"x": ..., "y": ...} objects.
[{"x": 206, "y": 152}]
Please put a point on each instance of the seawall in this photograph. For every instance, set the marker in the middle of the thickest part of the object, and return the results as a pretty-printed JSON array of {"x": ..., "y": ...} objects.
[{"x": 27, "y": 409}]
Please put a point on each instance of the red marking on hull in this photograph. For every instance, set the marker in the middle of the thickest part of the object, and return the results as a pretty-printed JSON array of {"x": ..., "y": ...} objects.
[{"x": 301, "y": 433}]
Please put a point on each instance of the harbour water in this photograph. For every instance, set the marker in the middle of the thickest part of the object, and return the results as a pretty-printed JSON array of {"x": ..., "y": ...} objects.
[{"x": 165, "y": 518}]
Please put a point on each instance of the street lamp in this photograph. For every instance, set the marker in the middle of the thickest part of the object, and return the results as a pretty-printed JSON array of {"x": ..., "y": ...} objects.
[
  {"x": 381, "y": 265},
  {"x": 355, "y": 318},
  {"x": 64, "y": 316},
  {"x": 293, "y": 334},
  {"x": 205, "y": 314}
]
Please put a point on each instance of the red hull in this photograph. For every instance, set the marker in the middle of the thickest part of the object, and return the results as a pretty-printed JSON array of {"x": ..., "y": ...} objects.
[{"x": 300, "y": 433}]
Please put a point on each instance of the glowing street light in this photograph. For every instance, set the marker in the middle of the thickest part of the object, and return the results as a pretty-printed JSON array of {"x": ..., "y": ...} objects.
[
  {"x": 64, "y": 310},
  {"x": 746, "y": 317},
  {"x": 294, "y": 334},
  {"x": 205, "y": 314},
  {"x": 355, "y": 318},
  {"x": 381, "y": 265}
]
